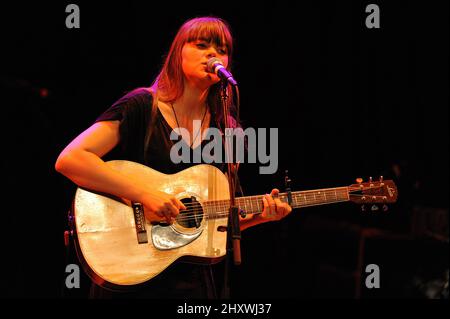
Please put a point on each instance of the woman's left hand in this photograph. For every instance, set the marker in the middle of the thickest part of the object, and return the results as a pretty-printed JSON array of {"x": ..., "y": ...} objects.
[{"x": 274, "y": 208}]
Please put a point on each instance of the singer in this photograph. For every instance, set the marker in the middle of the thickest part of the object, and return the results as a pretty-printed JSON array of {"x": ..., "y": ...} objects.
[{"x": 138, "y": 127}]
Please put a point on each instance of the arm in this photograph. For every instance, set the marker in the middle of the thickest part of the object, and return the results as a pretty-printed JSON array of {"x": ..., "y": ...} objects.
[{"x": 81, "y": 162}]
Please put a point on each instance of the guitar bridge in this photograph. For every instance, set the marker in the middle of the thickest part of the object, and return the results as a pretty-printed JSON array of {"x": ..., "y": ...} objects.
[{"x": 139, "y": 221}]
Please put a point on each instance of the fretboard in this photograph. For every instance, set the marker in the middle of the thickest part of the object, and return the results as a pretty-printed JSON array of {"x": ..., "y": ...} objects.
[{"x": 254, "y": 204}]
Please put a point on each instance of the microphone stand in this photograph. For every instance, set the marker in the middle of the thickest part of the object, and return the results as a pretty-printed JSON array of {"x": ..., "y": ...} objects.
[{"x": 233, "y": 228}]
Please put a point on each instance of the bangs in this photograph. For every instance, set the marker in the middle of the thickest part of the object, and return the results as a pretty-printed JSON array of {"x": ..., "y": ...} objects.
[{"x": 212, "y": 31}]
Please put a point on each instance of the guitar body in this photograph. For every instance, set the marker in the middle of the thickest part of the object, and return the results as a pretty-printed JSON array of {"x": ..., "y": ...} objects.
[{"x": 105, "y": 229}]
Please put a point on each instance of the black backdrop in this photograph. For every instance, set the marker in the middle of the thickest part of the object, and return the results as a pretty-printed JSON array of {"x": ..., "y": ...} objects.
[{"x": 348, "y": 101}]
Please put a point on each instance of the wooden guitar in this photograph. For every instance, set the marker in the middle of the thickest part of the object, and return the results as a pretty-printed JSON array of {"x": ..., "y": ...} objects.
[{"x": 119, "y": 249}]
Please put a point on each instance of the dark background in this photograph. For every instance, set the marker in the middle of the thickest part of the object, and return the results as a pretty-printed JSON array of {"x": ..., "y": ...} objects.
[{"x": 348, "y": 101}]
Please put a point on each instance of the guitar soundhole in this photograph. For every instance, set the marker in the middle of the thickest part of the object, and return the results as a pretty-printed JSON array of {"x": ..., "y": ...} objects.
[{"x": 193, "y": 216}]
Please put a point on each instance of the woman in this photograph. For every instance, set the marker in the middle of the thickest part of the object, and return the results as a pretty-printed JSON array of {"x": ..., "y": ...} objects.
[{"x": 138, "y": 126}]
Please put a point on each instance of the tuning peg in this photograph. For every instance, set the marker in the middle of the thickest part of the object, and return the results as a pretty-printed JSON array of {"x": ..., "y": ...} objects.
[
  {"x": 374, "y": 208},
  {"x": 381, "y": 179},
  {"x": 385, "y": 208},
  {"x": 363, "y": 208},
  {"x": 370, "y": 179}
]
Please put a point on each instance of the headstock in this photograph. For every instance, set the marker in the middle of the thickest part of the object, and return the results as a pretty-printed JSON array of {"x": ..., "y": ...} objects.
[{"x": 373, "y": 192}]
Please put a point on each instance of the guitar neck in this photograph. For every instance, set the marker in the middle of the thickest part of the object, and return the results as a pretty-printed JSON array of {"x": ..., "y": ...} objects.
[{"x": 254, "y": 204}]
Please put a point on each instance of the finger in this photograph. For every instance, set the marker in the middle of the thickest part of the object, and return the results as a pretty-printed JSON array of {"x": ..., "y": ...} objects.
[
  {"x": 275, "y": 192},
  {"x": 167, "y": 215},
  {"x": 280, "y": 210},
  {"x": 285, "y": 209},
  {"x": 178, "y": 204},
  {"x": 280, "y": 205},
  {"x": 270, "y": 200},
  {"x": 153, "y": 215},
  {"x": 266, "y": 207},
  {"x": 171, "y": 209},
  {"x": 288, "y": 207},
  {"x": 271, "y": 205},
  {"x": 160, "y": 212}
]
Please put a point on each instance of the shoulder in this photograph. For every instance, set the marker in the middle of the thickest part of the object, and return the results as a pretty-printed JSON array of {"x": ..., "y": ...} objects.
[
  {"x": 137, "y": 101},
  {"x": 141, "y": 94},
  {"x": 132, "y": 105}
]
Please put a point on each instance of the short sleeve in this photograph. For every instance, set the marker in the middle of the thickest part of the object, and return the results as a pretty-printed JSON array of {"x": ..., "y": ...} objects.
[
  {"x": 133, "y": 111},
  {"x": 127, "y": 106}
]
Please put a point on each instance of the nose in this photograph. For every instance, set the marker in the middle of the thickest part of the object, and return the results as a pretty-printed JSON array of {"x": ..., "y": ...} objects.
[{"x": 212, "y": 53}]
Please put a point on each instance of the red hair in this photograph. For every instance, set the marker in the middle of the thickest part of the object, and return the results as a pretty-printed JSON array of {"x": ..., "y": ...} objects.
[{"x": 169, "y": 84}]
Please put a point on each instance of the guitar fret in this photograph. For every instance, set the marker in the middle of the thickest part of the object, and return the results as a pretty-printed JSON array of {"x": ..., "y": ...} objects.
[
  {"x": 318, "y": 197},
  {"x": 254, "y": 204}
]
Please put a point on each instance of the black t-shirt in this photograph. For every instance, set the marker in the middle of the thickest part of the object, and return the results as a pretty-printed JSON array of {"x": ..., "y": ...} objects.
[{"x": 133, "y": 110}]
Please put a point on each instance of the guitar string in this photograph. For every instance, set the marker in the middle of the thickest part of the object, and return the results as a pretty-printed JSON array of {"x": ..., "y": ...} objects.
[
  {"x": 199, "y": 207},
  {"x": 297, "y": 197},
  {"x": 219, "y": 214},
  {"x": 309, "y": 194},
  {"x": 216, "y": 214},
  {"x": 257, "y": 201}
]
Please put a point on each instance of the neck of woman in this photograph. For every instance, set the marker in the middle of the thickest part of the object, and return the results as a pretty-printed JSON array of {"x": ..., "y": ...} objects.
[{"x": 192, "y": 103}]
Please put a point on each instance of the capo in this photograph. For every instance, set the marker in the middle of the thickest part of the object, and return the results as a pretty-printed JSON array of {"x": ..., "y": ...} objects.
[{"x": 287, "y": 185}]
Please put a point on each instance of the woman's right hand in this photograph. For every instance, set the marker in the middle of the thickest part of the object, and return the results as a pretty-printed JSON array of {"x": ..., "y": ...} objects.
[{"x": 161, "y": 207}]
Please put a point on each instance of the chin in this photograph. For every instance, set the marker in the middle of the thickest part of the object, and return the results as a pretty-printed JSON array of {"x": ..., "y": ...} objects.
[{"x": 212, "y": 78}]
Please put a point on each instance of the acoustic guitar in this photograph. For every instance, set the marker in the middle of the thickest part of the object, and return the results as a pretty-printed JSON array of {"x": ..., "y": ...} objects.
[{"x": 120, "y": 249}]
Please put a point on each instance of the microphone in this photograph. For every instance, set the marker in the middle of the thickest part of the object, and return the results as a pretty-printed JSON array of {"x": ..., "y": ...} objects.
[{"x": 215, "y": 65}]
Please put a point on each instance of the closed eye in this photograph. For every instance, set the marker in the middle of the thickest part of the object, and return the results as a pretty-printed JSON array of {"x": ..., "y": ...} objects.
[
  {"x": 202, "y": 45},
  {"x": 205, "y": 45}
]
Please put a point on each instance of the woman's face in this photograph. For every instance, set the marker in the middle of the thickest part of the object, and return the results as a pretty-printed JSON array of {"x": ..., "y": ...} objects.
[{"x": 195, "y": 55}]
